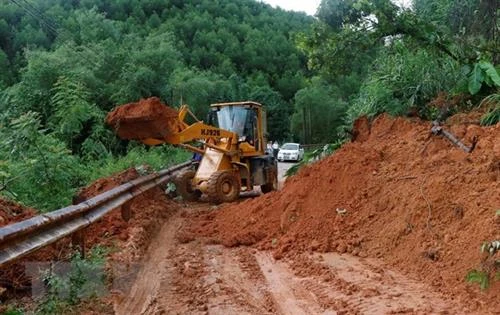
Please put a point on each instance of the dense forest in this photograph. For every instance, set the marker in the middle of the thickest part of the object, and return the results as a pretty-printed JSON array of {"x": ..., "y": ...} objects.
[{"x": 65, "y": 64}]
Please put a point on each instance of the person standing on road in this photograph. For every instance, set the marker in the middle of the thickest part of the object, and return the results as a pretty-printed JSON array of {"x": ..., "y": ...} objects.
[
  {"x": 276, "y": 148},
  {"x": 269, "y": 148}
]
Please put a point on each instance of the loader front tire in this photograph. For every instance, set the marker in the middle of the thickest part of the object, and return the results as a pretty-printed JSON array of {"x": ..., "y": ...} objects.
[
  {"x": 272, "y": 183},
  {"x": 184, "y": 186},
  {"x": 223, "y": 186}
]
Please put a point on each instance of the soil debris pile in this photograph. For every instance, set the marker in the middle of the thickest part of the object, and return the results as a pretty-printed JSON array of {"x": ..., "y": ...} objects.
[
  {"x": 104, "y": 184},
  {"x": 397, "y": 193},
  {"x": 148, "y": 118},
  {"x": 11, "y": 212}
]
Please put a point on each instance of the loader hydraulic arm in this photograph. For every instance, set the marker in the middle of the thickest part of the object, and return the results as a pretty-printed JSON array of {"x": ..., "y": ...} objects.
[
  {"x": 196, "y": 131},
  {"x": 153, "y": 123},
  {"x": 181, "y": 133}
]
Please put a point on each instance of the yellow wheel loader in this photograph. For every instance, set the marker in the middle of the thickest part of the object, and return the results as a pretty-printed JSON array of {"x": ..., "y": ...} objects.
[{"x": 232, "y": 151}]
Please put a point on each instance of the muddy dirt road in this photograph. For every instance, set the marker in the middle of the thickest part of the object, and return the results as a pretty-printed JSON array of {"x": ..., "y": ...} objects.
[
  {"x": 282, "y": 168},
  {"x": 195, "y": 277}
]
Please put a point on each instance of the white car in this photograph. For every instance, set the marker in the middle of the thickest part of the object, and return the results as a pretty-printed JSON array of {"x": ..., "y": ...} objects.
[{"x": 290, "y": 152}]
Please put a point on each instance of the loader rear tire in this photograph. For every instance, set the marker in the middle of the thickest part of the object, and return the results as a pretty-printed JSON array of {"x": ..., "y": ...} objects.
[
  {"x": 184, "y": 186},
  {"x": 223, "y": 186}
]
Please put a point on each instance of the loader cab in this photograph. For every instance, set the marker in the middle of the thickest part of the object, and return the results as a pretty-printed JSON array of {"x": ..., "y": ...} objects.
[
  {"x": 244, "y": 119},
  {"x": 234, "y": 162}
]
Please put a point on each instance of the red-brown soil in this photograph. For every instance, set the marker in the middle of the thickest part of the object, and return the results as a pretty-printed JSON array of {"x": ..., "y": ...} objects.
[
  {"x": 192, "y": 277},
  {"x": 11, "y": 212},
  {"x": 361, "y": 129},
  {"x": 403, "y": 195},
  {"x": 111, "y": 226},
  {"x": 148, "y": 118}
]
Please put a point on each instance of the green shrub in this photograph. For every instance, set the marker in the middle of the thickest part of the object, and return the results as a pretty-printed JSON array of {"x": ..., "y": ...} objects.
[
  {"x": 11, "y": 310},
  {"x": 404, "y": 79},
  {"x": 37, "y": 168},
  {"x": 480, "y": 277},
  {"x": 85, "y": 279},
  {"x": 155, "y": 157},
  {"x": 492, "y": 116}
]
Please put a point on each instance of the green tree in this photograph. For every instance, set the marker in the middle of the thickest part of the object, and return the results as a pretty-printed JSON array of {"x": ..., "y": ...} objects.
[
  {"x": 4, "y": 70},
  {"x": 147, "y": 68},
  {"x": 278, "y": 112},
  {"x": 199, "y": 89},
  {"x": 318, "y": 113},
  {"x": 39, "y": 170},
  {"x": 72, "y": 112}
]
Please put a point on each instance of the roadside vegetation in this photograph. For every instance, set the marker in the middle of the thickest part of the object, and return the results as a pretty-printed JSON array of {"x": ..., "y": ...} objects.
[
  {"x": 85, "y": 279},
  {"x": 68, "y": 285},
  {"x": 382, "y": 58}
]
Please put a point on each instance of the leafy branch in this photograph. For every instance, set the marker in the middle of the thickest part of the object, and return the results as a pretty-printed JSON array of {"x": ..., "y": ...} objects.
[
  {"x": 492, "y": 116},
  {"x": 483, "y": 73},
  {"x": 314, "y": 156}
]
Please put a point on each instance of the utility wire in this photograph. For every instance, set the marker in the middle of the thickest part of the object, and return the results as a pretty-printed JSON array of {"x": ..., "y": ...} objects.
[
  {"x": 53, "y": 24},
  {"x": 64, "y": 36},
  {"x": 52, "y": 27},
  {"x": 34, "y": 15}
]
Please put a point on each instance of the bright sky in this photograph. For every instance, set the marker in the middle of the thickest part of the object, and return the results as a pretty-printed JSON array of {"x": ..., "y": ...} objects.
[
  {"x": 307, "y": 6},
  {"x": 310, "y": 6}
]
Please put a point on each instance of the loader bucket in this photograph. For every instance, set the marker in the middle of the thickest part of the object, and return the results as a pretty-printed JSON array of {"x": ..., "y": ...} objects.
[{"x": 148, "y": 118}]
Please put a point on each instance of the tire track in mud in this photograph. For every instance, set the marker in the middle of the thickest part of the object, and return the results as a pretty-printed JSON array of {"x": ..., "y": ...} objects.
[
  {"x": 290, "y": 296},
  {"x": 353, "y": 285},
  {"x": 195, "y": 278},
  {"x": 144, "y": 290},
  {"x": 191, "y": 277},
  {"x": 237, "y": 282}
]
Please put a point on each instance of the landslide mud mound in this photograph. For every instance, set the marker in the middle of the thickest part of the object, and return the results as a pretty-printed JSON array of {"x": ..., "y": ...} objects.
[
  {"x": 397, "y": 193},
  {"x": 112, "y": 226},
  {"x": 148, "y": 118}
]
